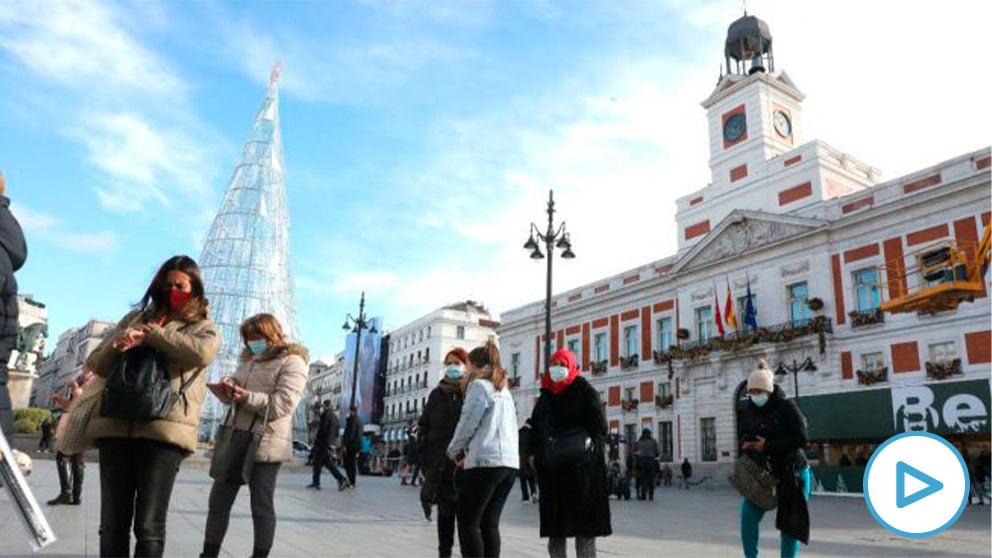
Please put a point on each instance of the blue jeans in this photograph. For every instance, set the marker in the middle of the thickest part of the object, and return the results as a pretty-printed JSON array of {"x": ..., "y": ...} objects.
[{"x": 751, "y": 519}]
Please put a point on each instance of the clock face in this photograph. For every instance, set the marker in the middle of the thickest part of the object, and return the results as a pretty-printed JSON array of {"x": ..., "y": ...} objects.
[
  {"x": 735, "y": 127},
  {"x": 782, "y": 124}
]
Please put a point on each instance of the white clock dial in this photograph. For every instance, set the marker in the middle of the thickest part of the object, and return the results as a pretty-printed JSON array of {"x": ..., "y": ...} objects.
[{"x": 782, "y": 124}]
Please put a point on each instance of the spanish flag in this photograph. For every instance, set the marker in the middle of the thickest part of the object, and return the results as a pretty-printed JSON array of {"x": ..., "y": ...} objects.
[{"x": 729, "y": 315}]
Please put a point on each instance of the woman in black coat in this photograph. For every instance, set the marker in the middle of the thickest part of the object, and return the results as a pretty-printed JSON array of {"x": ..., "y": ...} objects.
[
  {"x": 437, "y": 426},
  {"x": 772, "y": 431},
  {"x": 574, "y": 501}
]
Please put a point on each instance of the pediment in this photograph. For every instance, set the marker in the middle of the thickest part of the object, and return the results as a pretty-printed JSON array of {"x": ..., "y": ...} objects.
[{"x": 744, "y": 231}]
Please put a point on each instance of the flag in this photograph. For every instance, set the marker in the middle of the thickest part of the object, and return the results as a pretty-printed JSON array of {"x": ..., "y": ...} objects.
[
  {"x": 716, "y": 312},
  {"x": 729, "y": 315},
  {"x": 750, "y": 314}
]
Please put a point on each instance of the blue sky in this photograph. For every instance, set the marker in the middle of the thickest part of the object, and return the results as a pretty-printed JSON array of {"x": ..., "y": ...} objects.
[{"x": 421, "y": 137}]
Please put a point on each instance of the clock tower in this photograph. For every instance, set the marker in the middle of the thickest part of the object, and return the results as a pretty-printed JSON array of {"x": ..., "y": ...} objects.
[{"x": 755, "y": 113}]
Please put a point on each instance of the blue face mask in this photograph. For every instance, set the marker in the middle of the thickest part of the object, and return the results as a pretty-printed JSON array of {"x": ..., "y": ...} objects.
[
  {"x": 454, "y": 371},
  {"x": 760, "y": 400},
  {"x": 257, "y": 346}
]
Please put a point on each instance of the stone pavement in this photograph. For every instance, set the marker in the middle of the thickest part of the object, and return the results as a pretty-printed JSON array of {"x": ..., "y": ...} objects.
[{"x": 381, "y": 518}]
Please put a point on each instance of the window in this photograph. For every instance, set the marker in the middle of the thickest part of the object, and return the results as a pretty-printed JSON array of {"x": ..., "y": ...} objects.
[
  {"x": 601, "y": 347},
  {"x": 420, "y": 336},
  {"x": 742, "y": 306},
  {"x": 427, "y": 354},
  {"x": 628, "y": 394},
  {"x": 573, "y": 345},
  {"x": 798, "y": 309},
  {"x": 943, "y": 352},
  {"x": 515, "y": 365},
  {"x": 664, "y": 327},
  {"x": 866, "y": 289},
  {"x": 664, "y": 389},
  {"x": 871, "y": 362},
  {"x": 460, "y": 332},
  {"x": 665, "y": 440},
  {"x": 707, "y": 428},
  {"x": 428, "y": 332},
  {"x": 630, "y": 341},
  {"x": 704, "y": 323}
]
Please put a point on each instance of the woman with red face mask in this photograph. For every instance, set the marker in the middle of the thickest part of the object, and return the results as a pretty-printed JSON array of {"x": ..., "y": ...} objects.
[
  {"x": 139, "y": 458},
  {"x": 567, "y": 447}
]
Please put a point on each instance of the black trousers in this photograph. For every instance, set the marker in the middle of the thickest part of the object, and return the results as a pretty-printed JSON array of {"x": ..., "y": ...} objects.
[
  {"x": 645, "y": 479},
  {"x": 351, "y": 465},
  {"x": 320, "y": 462},
  {"x": 262, "y": 487},
  {"x": 481, "y": 495},
  {"x": 71, "y": 469},
  {"x": 447, "y": 498},
  {"x": 528, "y": 486},
  {"x": 136, "y": 479}
]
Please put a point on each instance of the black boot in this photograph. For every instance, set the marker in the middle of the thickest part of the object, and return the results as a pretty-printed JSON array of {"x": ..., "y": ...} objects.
[
  {"x": 77, "y": 481},
  {"x": 65, "y": 496}
]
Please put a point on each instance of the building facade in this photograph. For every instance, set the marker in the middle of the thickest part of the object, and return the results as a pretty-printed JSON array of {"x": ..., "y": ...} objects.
[
  {"x": 815, "y": 241},
  {"x": 66, "y": 360},
  {"x": 415, "y": 354},
  {"x": 22, "y": 370}
]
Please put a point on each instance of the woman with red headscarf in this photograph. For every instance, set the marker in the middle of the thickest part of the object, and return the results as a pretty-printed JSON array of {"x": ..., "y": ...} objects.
[{"x": 569, "y": 431}]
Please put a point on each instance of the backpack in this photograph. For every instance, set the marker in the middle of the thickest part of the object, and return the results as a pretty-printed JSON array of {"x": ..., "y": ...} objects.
[{"x": 139, "y": 387}]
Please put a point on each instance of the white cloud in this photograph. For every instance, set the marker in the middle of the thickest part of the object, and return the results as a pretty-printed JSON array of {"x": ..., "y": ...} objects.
[{"x": 51, "y": 229}]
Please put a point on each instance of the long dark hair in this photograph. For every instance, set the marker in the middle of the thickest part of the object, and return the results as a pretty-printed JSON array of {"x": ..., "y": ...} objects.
[
  {"x": 156, "y": 302},
  {"x": 486, "y": 359}
]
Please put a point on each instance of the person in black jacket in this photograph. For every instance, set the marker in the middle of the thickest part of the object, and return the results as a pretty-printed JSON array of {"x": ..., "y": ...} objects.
[
  {"x": 574, "y": 500},
  {"x": 772, "y": 430},
  {"x": 13, "y": 252},
  {"x": 323, "y": 446},
  {"x": 528, "y": 484},
  {"x": 436, "y": 427},
  {"x": 352, "y": 445}
]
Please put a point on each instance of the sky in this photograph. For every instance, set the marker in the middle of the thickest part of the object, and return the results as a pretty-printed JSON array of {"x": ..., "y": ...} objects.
[{"x": 421, "y": 137}]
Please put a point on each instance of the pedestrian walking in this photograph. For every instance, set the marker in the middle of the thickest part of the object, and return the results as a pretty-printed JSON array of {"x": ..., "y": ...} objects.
[
  {"x": 351, "y": 445},
  {"x": 45, "y": 443},
  {"x": 771, "y": 430},
  {"x": 568, "y": 442},
  {"x": 13, "y": 253},
  {"x": 436, "y": 428},
  {"x": 139, "y": 457},
  {"x": 686, "y": 473},
  {"x": 322, "y": 452},
  {"x": 266, "y": 388},
  {"x": 485, "y": 446},
  {"x": 666, "y": 474},
  {"x": 647, "y": 453},
  {"x": 412, "y": 457},
  {"x": 527, "y": 474},
  {"x": 68, "y": 456}
]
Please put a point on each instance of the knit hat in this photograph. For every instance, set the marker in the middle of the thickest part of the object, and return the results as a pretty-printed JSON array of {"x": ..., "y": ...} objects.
[{"x": 761, "y": 378}]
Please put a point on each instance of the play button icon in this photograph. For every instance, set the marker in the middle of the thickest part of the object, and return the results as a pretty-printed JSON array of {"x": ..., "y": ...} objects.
[
  {"x": 930, "y": 484},
  {"x": 912, "y": 468}
]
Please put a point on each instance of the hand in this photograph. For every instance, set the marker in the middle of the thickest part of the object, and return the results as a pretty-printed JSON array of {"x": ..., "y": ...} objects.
[
  {"x": 758, "y": 445},
  {"x": 129, "y": 340},
  {"x": 238, "y": 394},
  {"x": 460, "y": 465}
]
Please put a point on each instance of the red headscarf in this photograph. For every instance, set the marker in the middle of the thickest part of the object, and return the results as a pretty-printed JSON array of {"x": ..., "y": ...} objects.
[{"x": 573, "y": 372}]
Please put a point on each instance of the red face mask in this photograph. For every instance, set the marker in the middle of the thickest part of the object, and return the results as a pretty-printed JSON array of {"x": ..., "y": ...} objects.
[{"x": 178, "y": 299}]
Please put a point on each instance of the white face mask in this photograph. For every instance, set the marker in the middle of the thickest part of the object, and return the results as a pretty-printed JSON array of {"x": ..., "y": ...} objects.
[
  {"x": 760, "y": 399},
  {"x": 558, "y": 373},
  {"x": 454, "y": 371}
]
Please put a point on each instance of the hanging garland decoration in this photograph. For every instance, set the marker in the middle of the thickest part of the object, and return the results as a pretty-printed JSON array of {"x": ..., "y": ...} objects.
[
  {"x": 943, "y": 370},
  {"x": 867, "y": 378}
]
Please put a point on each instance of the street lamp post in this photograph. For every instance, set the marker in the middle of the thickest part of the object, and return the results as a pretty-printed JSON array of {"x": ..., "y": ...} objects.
[
  {"x": 357, "y": 325},
  {"x": 551, "y": 238},
  {"x": 806, "y": 365}
]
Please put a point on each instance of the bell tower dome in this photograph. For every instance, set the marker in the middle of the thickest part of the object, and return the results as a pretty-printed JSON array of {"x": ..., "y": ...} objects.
[{"x": 749, "y": 45}]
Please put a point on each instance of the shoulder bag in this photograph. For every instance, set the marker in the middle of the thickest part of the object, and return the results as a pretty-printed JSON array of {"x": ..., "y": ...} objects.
[
  {"x": 235, "y": 450},
  {"x": 755, "y": 482}
]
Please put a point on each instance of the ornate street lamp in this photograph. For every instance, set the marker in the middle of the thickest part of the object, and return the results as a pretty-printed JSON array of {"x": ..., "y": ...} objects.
[
  {"x": 551, "y": 239},
  {"x": 357, "y": 325},
  {"x": 783, "y": 369}
]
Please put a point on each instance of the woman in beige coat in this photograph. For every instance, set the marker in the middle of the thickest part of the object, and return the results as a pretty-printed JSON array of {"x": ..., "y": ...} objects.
[
  {"x": 269, "y": 380},
  {"x": 139, "y": 458}
]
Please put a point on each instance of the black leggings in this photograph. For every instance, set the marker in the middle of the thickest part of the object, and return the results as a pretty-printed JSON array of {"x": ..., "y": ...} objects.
[
  {"x": 262, "y": 487},
  {"x": 481, "y": 495},
  {"x": 136, "y": 479}
]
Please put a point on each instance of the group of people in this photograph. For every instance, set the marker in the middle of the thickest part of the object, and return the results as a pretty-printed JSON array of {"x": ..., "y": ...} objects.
[{"x": 323, "y": 452}]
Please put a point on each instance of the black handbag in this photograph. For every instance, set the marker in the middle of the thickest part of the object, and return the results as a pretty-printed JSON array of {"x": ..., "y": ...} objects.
[
  {"x": 235, "y": 450},
  {"x": 139, "y": 387},
  {"x": 571, "y": 448},
  {"x": 755, "y": 482}
]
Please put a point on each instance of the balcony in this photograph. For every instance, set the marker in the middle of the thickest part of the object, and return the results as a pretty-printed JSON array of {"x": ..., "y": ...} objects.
[
  {"x": 861, "y": 318},
  {"x": 742, "y": 340},
  {"x": 629, "y": 405},
  {"x": 627, "y": 363},
  {"x": 943, "y": 370},
  {"x": 869, "y": 377},
  {"x": 662, "y": 357},
  {"x": 513, "y": 382},
  {"x": 663, "y": 401},
  {"x": 599, "y": 368}
]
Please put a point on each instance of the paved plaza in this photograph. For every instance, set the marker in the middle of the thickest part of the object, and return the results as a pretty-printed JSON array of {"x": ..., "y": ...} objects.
[{"x": 382, "y": 518}]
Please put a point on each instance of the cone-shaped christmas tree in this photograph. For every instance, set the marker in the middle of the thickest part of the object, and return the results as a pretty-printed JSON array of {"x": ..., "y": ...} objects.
[{"x": 245, "y": 259}]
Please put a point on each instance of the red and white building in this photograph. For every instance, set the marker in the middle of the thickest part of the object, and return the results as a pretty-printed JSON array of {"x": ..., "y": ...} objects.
[{"x": 792, "y": 220}]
